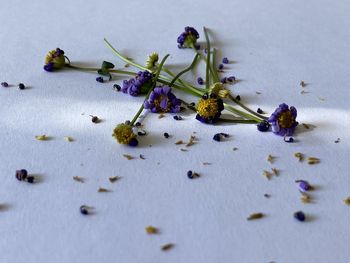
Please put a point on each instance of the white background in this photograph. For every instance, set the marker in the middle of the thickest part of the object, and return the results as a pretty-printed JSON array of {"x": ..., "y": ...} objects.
[{"x": 275, "y": 44}]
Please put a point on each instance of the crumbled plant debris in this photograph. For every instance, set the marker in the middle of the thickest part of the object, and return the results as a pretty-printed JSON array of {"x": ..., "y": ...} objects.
[
  {"x": 127, "y": 65},
  {"x": 30, "y": 179},
  {"x": 238, "y": 97},
  {"x": 304, "y": 185},
  {"x": 183, "y": 150},
  {"x": 179, "y": 142},
  {"x": 267, "y": 174},
  {"x": 4, "y": 84},
  {"x": 302, "y": 84},
  {"x": 217, "y": 137},
  {"x": 68, "y": 138},
  {"x": 166, "y": 135},
  {"x": 192, "y": 104},
  {"x": 21, "y": 86},
  {"x": 258, "y": 92},
  {"x": 167, "y": 247},
  {"x": 85, "y": 210},
  {"x": 103, "y": 190},
  {"x": 337, "y": 140},
  {"x": 206, "y": 163},
  {"x": 300, "y": 216},
  {"x": 260, "y": 111},
  {"x": 112, "y": 179},
  {"x": 117, "y": 87},
  {"x": 347, "y": 200},
  {"x": 191, "y": 141},
  {"x": 303, "y": 92},
  {"x": 270, "y": 158},
  {"x": 21, "y": 175},
  {"x": 255, "y": 216},
  {"x": 267, "y": 195},
  {"x": 127, "y": 156},
  {"x": 141, "y": 133},
  {"x": 142, "y": 157},
  {"x": 151, "y": 230},
  {"x": 299, "y": 156},
  {"x": 42, "y": 137},
  {"x": 78, "y": 179},
  {"x": 275, "y": 171},
  {"x": 161, "y": 115},
  {"x": 289, "y": 140},
  {"x": 95, "y": 119},
  {"x": 177, "y": 118},
  {"x": 321, "y": 98},
  {"x": 306, "y": 126},
  {"x": 234, "y": 149},
  {"x": 305, "y": 198},
  {"x": 313, "y": 160}
]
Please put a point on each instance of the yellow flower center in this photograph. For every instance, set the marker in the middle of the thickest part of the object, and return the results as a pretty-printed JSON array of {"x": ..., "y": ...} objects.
[
  {"x": 207, "y": 108},
  {"x": 123, "y": 133},
  {"x": 286, "y": 119}
]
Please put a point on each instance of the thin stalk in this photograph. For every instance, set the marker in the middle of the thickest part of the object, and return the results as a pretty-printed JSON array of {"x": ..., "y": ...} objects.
[
  {"x": 241, "y": 113},
  {"x": 246, "y": 108},
  {"x": 207, "y": 75},
  {"x": 96, "y": 69}
]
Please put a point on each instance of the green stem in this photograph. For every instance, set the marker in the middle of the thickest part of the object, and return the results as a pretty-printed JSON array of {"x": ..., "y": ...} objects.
[
  {"x": 246, "y": 108},
  {"x": 207, "y": 75},
  {"x": 184, "y": 70},
  {"x": 150, "y": 90},
  {"x": 241, "y": 113},
  {"x": 214, "y": 65},
  {"x": 96, "y": 69}
]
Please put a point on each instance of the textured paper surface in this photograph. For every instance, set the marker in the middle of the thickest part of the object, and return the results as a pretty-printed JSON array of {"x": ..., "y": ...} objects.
[{"x": 275, "y": 45}]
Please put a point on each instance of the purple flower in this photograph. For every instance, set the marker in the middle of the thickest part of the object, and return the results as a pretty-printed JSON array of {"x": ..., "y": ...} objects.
[
  {"x": 138, "y": 85},
  {"x": 162, "y": 100},
  {"x": 55, "y": 60},
  {"x": 209, "y": 109},
  {"x": 283, "y": 120},
  {"x": 188, "y": 39}
]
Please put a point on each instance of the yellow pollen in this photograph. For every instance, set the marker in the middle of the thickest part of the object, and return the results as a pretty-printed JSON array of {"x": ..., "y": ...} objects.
[
  {"x": 286, "y": 119},
  {"x": 123, "y": 133},
  {"x": 207, "y": 108}
]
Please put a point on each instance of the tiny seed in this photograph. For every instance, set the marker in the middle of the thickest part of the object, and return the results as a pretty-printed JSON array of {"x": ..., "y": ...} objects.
[
  {"x": 127, "y": 156},
  {"x": 151, "y": 230},
  {"x": 95, "y": 119},
  {"x": 21, "y": 86},
  {"x": 166, "y": 135},
  {"x": 299, "y": 156},
  {"x": 167, "y": 247},
  {"x": 41, "y": 137},
  {"x": 103, "y": 190},
  {"x": 30, "y": 179},
  {"x": 78, "y": 179},
  {"x": 112, "y": 179},
  {"x": 313, "y": 160}
]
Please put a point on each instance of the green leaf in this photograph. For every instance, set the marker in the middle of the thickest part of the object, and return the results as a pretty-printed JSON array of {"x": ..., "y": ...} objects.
[{"x": 107, "y": 65}]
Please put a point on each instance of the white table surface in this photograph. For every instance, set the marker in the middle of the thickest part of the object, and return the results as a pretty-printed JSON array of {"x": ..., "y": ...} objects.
[{"x": 275, "y": 44}]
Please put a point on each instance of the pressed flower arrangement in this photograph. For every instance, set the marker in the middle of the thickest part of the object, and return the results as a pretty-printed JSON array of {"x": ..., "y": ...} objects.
[{"x": 158, "y": 84}]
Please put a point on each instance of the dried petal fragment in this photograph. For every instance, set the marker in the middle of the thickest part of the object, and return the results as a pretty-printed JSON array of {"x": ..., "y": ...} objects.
[
  {"x": 41, "y": 137},
  {"x": 305, "y": 198},
  {"x": 112, "y": 179},
  {"x": 127, "y": 156},
  {"x": 306, "y": 126},
  {"x": 151, "y": 230},
  {"x": 78, "y": 179},
  {"x": 103, "y": 190},
  {"x": 313, "y": 160},
  {"x": 347, "y": 200},
  {"x": 68, "y": 138},
  {"x": 267, "y": 174},
  {"x": 270, "y": 158},
  {"x": 275, "y": 171},
  {"x": 255, "y": 216},
  {"x": 299, "y": 156},
  {"x": 191, "y": 141},
  {"x": 167, "y": 247},
  {"x": 179, "y": 142}
]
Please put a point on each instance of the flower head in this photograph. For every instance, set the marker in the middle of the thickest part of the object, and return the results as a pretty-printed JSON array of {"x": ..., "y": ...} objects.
[
  {"x": 55, "y": 60},
  {"x": 283, "y": 120},
  {"x": 188, "y": 39},
  {"x": 219, "y": 90},
  {"x": 209, "y": 109},
  {"x": 138, "y": 85},
  {"x": 125, "y": 135},
  {"x": 162, "y": 100},
  {"x": 152, "y": 60}
]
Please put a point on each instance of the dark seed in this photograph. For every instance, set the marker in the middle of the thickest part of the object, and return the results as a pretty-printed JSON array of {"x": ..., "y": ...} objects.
[
  {"x": 84, "y": 210},
  {"x": 117, "y": 87},
  {"x": 30, "y": 179},
  {"x": 300, "y": 216},
  {"x": 217, "y": 137},
  {"x": 221, "y": 66},
  {"x": 225, "y": 60},
  {"x": 166, "y": 135},
  {"x": 138, "y": 124},
  {"x": 141, "y": 133},
  {"x": 200, "y": 81},
  {"x": 95, "y": 119},
  {"x": 99, "y": 79},
  {"x": 4, "y": 84},
  {"x": 21, "y": 174},
  {"x": 238, "y": 97},
  {"x": 133, "y": 142},
  {"x": 291, "y": 139},
  {"x": 260, "y": 111},
  {"x": 178, "y": 118},
  {"x": 190, "y": 174},
  {"x": 21, "y": 86}
]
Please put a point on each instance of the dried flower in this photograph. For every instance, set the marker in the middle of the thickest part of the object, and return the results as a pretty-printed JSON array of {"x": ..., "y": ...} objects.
[
  {"x": 188, "y": 39},
  {"x": 125, "y": 135},
  {"x": 162, "y": 100},
  {"x": 55, "y": 60},
  {"x": 140, "y": 84},
  {"x": 152, "y": 60},
  {"x": 209, "y": 109},
  {"x": 283, "y": 120}
]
